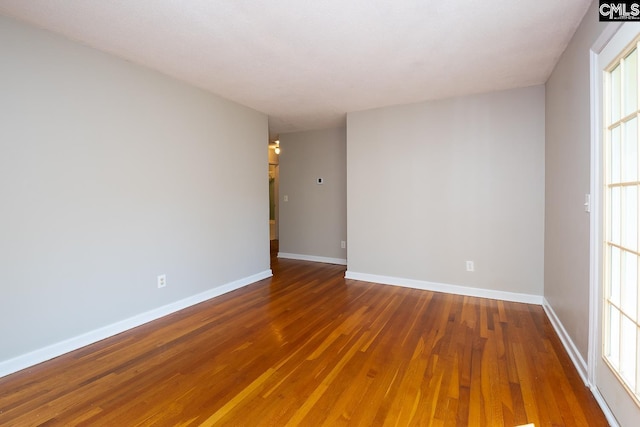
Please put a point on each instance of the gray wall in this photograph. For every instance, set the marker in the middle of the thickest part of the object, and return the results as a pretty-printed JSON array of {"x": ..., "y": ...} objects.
[
  {"x": 434, "y": 184},
  {"x": 111, "y": 174},
  {"x": 567, "y": 170},
  {"x": 314, "y": 220}
]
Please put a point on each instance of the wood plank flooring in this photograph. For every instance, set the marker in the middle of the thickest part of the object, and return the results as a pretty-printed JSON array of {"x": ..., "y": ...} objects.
[{"x": 310, "y": 348}]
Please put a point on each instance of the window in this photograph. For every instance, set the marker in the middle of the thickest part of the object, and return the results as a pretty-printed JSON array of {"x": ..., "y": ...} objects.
[{"x": 621, "y": 331}]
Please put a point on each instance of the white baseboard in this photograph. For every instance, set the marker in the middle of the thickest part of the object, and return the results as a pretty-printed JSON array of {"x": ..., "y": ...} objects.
[
  {"x": 578, "y": 361},
  {"x": 605, "y": 408},
  {"x": 299, "y": 257},
  {"x": 567, "y": 342},
  {"x": 443, "y": 287},
  {"x": 41, "y": 355}
]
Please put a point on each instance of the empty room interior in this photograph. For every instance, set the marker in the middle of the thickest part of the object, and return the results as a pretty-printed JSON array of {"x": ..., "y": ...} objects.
[{"x": 432, "y": 243}]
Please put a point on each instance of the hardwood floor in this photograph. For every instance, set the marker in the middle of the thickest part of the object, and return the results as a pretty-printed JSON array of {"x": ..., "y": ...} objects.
[{"x": 310, "y": 348}]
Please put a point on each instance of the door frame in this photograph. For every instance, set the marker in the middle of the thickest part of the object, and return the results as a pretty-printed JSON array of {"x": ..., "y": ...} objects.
[{"x": 595, "y": 202}]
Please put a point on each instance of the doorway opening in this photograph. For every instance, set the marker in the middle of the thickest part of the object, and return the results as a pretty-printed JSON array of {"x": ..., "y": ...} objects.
[
  {"x": 274, "y": 186},
  {"x": 273, "y": 201}
]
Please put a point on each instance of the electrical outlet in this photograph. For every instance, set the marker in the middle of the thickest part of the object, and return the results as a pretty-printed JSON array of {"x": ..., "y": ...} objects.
[
  {"x": 162, "y": 281},
  {"x": 470, "y": 266},
  {"x": 343, "y": 244}
]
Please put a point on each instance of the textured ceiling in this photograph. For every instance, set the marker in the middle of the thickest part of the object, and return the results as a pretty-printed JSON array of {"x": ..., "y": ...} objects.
[{"x": 307, "y": 63}]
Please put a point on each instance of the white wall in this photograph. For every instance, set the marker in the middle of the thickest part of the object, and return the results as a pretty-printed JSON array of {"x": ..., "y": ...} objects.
[
  {"x": 434, "y": 184},
  {"x": 568, "y": 145},
  {"x": 111, "y": 174},
  {"x": 314, "y": 220}
]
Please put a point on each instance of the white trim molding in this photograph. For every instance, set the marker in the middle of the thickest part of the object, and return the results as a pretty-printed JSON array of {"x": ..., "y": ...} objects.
[
  {"x": 603, "y": 405},
  {"x": 578, "y": 361},
  {"x": 24, "y": 361},
  {"x": 567, "y": 342},
  {"x": 595, "y": 236},
  {"x": 443, "y": 287},
  {"x": 313, "y": 258}
]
